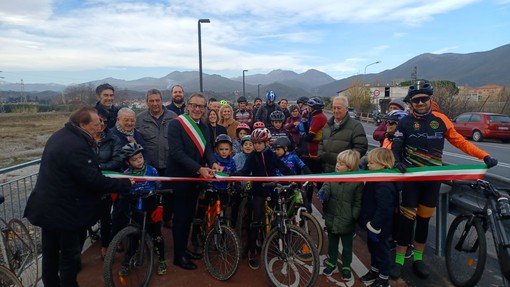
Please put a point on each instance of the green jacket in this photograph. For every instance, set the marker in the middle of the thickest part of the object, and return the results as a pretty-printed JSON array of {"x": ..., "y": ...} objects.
[
  {"x": 349, "y": 135},
  {"x": 343, "y": 206}
]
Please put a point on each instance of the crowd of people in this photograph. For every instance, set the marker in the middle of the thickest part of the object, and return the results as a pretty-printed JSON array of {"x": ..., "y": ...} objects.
[{"x": 197, "y": 137}]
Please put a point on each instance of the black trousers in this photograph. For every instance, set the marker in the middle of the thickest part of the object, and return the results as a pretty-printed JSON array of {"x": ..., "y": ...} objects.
[
  {"x": 61, "y": 250},
  {"x": 185, "y": 203}
]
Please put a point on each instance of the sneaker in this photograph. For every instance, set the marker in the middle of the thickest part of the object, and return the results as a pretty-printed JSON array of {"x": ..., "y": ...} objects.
[
  {"x": 162, "y": 268},
  {"x": 409, "y": 251},
  {"x": 124, "y": 271},
  {"x": 346, "y": 274},
  {"x": 380, "y": 283},
  {"x": 396, "y": 271},
  {"x": 329, "y": 270},
  {"x": 421, "y": 269},
  {"x": 253, "y": 261},
  {"x": 369, "y": 278}
]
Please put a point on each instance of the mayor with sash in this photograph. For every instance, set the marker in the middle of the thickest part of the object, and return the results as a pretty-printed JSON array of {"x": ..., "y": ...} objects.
[{"x": 189, "y": 155}]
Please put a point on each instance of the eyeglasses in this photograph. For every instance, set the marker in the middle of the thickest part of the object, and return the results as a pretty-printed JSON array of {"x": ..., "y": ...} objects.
[
  {"x": 391, "y": 123},
  {"x": 420, "y": 100},
  {"x": 196, "y": 106}
]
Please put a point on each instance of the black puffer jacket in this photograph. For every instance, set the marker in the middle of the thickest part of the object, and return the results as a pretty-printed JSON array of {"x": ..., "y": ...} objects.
[
  {"x": 108, "y": 152},
  {"x": 67, "y": 194}
]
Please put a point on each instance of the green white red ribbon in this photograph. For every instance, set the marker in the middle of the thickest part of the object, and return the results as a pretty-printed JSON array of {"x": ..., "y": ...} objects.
[{"x": 429, "y": 173}]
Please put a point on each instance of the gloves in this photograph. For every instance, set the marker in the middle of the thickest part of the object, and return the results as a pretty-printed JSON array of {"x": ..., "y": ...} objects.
[
  {"x": 372, "y": 236},
  {"x": 401, "y": 167},
  {"x": 157, "y": 214},
  {"x": 322, "y": 196},
  {"x": 490, "y": 162}
]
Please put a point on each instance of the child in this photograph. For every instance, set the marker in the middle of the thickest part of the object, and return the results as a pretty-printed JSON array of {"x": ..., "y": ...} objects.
[
  {"x": 377, "y": 210},
  {"x": 277, "y": 131},
  {"x": 247, "y": 148},
  {"x": 132, "y": 153},
  {"x": 342, "y": 206},
  {"x": 222, "y": 153},
  {"x": 281, "y": 149},
  {"x": 261, "y": 162},
  {"x": 241, "y": 131}
]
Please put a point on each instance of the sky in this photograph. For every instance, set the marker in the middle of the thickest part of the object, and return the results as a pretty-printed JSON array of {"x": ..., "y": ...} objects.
[{"x": 71, "y": 42}]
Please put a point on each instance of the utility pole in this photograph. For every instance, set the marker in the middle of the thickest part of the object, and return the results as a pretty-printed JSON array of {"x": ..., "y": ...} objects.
[{"x": 414, "y": 74}]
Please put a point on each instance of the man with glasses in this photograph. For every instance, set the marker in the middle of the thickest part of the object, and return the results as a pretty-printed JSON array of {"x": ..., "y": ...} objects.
[
  {"x": 189, "y": 155},
  {"x": 419, "y": 141}
]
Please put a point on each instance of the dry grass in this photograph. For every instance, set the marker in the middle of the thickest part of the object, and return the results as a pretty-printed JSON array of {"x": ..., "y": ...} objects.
[{"x": 23, "y": 136}]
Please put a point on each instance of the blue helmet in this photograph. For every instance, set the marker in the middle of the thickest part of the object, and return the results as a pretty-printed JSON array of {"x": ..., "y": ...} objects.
[
  {"x": 270, "y": 96},
  {"x": 315, "y": 103},
  {"x": 396, "y": 115}
]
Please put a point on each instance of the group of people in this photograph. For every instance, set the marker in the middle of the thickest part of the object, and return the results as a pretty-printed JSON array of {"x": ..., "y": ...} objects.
[{"x": 196, "y": 137}]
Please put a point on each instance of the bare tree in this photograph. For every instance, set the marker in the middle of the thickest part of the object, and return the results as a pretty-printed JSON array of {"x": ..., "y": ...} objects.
[{"x": 359, "y": 96}]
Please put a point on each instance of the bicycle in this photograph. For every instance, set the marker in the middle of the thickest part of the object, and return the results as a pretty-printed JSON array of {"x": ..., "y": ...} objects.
[
  {"x": 222, "y": 246},
  {"x": 466, "y": 244},
  {"x": 129, "y": 259},
  {"x": 18, "y": 254},
  {"x": 289, "y": 256}
]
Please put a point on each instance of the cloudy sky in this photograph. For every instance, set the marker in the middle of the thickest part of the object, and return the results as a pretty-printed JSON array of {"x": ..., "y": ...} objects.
[{"x": 68, "y": 41}]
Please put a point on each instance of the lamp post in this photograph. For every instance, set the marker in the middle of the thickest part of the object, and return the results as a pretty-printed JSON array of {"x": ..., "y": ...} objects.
[
  {"x": 370, "y": 65},
  {"x": 244, "y": 94},
  {"x": 200, "y": 52},
  {"x": 258, "y": 91}
]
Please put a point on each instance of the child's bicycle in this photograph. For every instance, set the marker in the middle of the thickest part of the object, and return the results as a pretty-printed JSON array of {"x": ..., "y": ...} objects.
[
  {"x": 130, "y": 256},
  {"x": 466, "y": 245},
  {"x": 18, "y": 254},
  {"x": 222, "y": 246},
  {"x": 289, "y": 256}
]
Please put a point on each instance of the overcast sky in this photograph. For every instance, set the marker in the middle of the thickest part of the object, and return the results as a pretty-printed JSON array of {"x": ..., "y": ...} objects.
[{"x": 67, "y": 41}]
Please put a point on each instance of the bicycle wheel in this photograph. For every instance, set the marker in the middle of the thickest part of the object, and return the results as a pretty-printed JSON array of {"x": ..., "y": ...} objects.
[
  {"x": 222, "y": 253},
  {"x": 466, "y": 251},
  {"x": 23, "y": 253},
  {"x": 133, "y": 265},
  {"x": 282, "y": 258},
  {"x": 8, "y": 279},
  {"x": 243, "y": 225},
  {"x": 313, "y": 228}
]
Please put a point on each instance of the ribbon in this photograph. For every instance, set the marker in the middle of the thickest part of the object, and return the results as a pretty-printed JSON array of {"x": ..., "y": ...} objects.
[{"x": 429, "y": 173}]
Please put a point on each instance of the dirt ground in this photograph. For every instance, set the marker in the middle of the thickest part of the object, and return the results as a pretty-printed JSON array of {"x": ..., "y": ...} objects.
[{"x": 23, "y": 136}]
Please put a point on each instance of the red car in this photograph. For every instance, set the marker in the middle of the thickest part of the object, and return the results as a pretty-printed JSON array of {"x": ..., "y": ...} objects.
[{"x": 479, "y": 126}]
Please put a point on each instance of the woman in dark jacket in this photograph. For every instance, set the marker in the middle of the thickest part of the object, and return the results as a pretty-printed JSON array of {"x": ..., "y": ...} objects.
[{"x": 214, "y": 128}]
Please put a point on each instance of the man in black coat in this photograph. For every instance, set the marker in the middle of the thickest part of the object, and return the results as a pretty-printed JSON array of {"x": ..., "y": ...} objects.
[
  {"x": 189, "y": 155},
  {"x": 105, "y": 96},
  {"x": 67, "y": 196}
]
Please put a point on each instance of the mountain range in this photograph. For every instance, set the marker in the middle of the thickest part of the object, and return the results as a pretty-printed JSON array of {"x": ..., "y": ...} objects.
[{"x": 473, "y": 69}]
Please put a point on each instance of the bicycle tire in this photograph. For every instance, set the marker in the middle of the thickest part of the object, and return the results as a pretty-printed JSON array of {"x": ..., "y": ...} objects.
[
  {"x": 312, "y": 227},
  {"x": 243, "y": 225},
  {"x": 222, "y": 253},
  {"x": 138, "y": 275},
  {"x": 23, "y": 252},
  {"x": 286, "y": 267},
  {"x": 464, "y": 269},
  {"x": 8, "y": 279}
]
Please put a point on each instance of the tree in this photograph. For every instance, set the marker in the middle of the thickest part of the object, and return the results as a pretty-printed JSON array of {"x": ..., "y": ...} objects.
[
  {"x": 359, "y": 96},
  {"x": 80, "y": 95}
]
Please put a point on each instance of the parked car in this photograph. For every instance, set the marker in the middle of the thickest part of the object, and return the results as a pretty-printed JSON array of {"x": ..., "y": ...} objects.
[
  {"x": 353, "y": 114},
  {"x": 480, "y": 126}
]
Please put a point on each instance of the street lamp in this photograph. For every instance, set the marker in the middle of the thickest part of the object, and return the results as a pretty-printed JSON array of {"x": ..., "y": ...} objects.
[
  {"x": 244, "y": 94},
  {"x": 370, "y": 65},
  {"x": 258, "y": 91},
  {"x": 200, "y": 52}
]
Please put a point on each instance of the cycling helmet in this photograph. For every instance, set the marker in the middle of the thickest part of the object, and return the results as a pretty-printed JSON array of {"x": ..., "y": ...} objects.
[
  {"x": 243, "y": 126},
  {"x": 315, "y": 103},
  {"x": 395, "y": 115},
  {"x": 277, "y": 116},
  {"x": 270, "y": 96},
  {"x": 281, "y": 142},
  {"x": 302, "y": 100},
  {"x": 242, "y": 100},
  {"x": 259, "y": 125},
  {"x": 260, "y": 135},
  {"x": 130, "y": 150},
  {"x": 419, "y": 87},
  {"x": 223, "y": 102},
  {"x": 222, "y": 138},
  {"x": 246, "y": 138}
]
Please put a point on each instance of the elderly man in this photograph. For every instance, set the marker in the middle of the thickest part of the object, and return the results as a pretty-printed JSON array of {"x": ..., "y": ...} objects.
[
  {"x": 341, "y": 133},
  {"x": 177, "y": 105},
  {"x": 105, "y": 96},
  {"x": 153, "y": 126},
  {"x": 67, "y": 196},
  {"x": 189, "y": 155}
]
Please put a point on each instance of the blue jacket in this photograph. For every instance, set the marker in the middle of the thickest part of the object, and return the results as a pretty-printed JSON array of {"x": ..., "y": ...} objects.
[
  {"x": 380, "y": 199},
  {"x": 229, "y": 167}
]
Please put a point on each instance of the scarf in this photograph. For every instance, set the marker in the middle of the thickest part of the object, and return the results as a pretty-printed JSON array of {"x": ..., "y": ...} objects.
[{"x": 123, "y": 131}]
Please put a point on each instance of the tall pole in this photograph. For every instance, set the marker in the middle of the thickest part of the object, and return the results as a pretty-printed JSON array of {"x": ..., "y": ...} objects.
[
  {"x": 370, "y": 65},
  {"x": 258, "y": 91},
  {"x": 244, "y": 94},
  {"x": 200, "y": 52}
]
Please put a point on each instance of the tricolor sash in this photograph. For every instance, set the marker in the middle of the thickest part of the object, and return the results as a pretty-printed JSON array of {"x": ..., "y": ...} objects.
[{"x": 193, "y": 131}]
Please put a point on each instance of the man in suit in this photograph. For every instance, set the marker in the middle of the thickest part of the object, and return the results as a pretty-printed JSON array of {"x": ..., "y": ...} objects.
[{"x": 189, "y": 155}]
